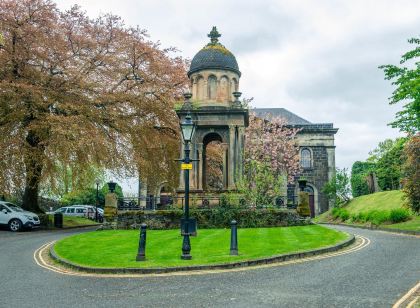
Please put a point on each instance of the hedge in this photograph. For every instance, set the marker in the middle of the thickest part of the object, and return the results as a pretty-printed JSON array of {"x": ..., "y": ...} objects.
[{"x": 219, "y": 217}]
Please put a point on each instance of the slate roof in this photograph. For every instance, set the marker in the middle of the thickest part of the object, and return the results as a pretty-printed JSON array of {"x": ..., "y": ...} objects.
[
  {"x": 214, "y": 58},
  {"x": 291, "y": 118}
]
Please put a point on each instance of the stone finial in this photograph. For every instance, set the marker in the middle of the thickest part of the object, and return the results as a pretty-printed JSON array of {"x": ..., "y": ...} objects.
[
  {"x": 214, "y": 35},
  {"x": 187, "y": 101},
  {"x": 237, "y": 102}
]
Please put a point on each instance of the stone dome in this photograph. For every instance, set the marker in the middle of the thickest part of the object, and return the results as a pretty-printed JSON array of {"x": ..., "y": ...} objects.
[{"x": 214, "y": 56}]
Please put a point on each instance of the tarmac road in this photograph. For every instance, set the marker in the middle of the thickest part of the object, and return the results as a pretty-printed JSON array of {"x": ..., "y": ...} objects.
[{"x": 375, "y": 276}]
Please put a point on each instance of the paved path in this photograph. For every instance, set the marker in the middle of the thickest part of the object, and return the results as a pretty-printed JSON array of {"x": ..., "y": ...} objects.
[{"x": 375, "y": 276}]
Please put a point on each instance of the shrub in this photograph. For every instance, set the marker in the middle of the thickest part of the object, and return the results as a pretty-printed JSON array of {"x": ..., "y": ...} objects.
[
  {"x": 341, "y": 213},
  {"x": 303, "y": 206},
  {"x": 45, "y": 220},
  {"x": 219, "y": 217},
  {"x": 377, "y": 217},
  {"x": 399, "y": 215},
  {"x": 344, "y": 214}
]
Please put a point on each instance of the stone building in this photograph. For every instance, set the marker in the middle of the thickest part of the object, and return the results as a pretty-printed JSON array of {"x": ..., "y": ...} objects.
[
  {"x": 214, "y": 75},
  {"x": 220, "y": 117},
  {"x": 317, "y": 156},
  {"x": 217, "y": 113}
]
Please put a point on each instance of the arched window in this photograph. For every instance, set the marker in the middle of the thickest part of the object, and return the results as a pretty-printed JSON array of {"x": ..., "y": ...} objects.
[
  {"x": 200, "y": 88},
  {"x": 305, "y": 158},
  {"x": 224, "y": 88},
  {"x": 211, "y": 86}
]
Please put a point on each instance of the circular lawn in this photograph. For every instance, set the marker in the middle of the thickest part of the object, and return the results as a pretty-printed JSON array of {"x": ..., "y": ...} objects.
[{"x": 118, "y": 248}]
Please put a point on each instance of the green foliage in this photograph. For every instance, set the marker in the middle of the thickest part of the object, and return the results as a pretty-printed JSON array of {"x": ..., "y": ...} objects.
[
  {"x": 399, "y": 215},
  {"x": 388, "y": 165},
  {"x": 341, "y": 213},
  {"x": 261, "y": 184},
  {"x": 219, "y": 217},
  {"x": 407, "y": 82},
  {"x": 359, "y": 172},
  {"x": 376, "y": 217},
  {"x": 411, "y": 169},
  {"x": 88, "y": 196},
  {"x": 338, "y": 188},
  {"x": 303, "y": 206}
]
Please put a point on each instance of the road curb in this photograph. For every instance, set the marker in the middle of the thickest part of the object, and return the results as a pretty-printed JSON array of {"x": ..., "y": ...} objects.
[
  {"x": 408, "y": 232},
  {"x": 275, "y": 259},
  {"x": 70, "y": 228}
]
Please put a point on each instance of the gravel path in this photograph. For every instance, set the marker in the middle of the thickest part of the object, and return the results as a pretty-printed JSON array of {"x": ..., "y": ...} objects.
[{"x": 376, "y": 276}]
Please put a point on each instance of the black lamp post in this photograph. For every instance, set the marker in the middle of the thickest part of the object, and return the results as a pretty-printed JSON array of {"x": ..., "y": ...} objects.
[
  {"x": 97, "y": 200},
  {"x": 187, "y": 128}
]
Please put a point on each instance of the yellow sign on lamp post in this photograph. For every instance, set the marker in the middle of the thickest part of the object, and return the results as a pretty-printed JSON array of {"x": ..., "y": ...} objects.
[{"x": 186, "y": 166}]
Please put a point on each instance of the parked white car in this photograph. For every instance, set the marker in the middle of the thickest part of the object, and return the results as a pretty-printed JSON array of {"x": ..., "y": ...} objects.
[
  {"x": 87, "y": 211},
  {"x": 17, "y": 218},
  {"x": 72, "y": 210}
]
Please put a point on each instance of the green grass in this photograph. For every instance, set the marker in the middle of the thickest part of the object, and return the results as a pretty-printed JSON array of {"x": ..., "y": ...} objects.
[
  {"x": 412, "y": 225},
  {"x": 71, "y": 221},
  {"x": 379, "y": 209},
  {"x": 118, "y": 248},
  {"x": 384, "y": 200}
]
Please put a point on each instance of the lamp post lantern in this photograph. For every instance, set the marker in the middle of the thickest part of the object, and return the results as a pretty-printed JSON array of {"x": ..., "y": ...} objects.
[{"x": 187, "y": 129}]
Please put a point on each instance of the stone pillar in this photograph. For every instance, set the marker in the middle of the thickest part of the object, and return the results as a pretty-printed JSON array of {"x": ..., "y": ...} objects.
[
  {"x": 231, "y": 158},
  {"x": 110, "y": 210},
  {"x": 240, "y": 161},
  {"x": 142, "y": 193},
  {"x": 205, "y": 90},
  {"x": 200, "y": 165},
  {"x": 225, "y": 165},
  {"x": 331, "y": 169}
]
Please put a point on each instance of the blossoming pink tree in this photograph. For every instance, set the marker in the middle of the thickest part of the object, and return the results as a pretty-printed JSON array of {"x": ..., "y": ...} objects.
[{"x": 271, "y": 158}]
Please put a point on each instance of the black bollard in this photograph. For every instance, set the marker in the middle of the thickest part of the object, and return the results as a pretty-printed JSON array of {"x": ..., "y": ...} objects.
[
  {"x": 233, "y": 238},
  {"x": 141, "y": 255}
]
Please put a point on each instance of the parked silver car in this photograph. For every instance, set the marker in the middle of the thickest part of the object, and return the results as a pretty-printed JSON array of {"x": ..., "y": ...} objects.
[{"x": 17, "y": 218}]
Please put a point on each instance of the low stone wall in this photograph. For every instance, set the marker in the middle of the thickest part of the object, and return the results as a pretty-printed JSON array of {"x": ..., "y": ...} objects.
[{"x": 211, "y": 218}]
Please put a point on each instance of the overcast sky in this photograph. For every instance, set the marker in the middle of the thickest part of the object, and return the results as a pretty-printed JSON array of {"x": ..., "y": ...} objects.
[{"x": 318, "y": 59}]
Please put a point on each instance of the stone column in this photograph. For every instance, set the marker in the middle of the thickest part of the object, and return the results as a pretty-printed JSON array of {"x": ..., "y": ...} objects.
[
  {"x": 200, "y": 166},
  {"x": 240, "y": 162},
  {"x": 331, "y": 168},
  {"x": 225, "y": 147},
  {"x": 231, "y": 158}
]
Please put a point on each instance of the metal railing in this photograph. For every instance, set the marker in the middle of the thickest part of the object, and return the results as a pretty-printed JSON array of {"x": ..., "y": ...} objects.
[{"x": 152, "y": 203}]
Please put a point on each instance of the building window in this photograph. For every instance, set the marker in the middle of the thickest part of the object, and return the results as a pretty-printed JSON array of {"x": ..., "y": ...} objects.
[
  {"x": 305, "y": 158},
  {"x": 211, "y": 84}
]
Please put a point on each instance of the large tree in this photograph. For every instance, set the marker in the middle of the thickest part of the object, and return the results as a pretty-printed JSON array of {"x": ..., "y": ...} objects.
[
  {"x": 406, "y": 78},
  {"x": 271, "y": 159},
  {"x": 411, "y": 170},
  {"x": 77, "y": 92},
  {"x": 388, "y": 160}
]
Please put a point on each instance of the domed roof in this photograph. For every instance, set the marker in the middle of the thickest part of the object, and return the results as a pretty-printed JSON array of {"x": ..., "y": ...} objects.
[{"x": 214, "y": 56}]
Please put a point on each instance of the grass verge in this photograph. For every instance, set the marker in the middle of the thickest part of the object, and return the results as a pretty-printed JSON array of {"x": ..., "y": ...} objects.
[
  {"x": 118, "y": 248},
  {"x": 71, "y": 221}
]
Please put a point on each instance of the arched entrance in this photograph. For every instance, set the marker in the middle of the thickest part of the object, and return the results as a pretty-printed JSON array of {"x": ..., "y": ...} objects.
[{"x": 214, "y": 163}]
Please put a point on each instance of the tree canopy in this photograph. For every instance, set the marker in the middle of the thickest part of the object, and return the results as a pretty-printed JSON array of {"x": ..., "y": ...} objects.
[
  {"x": 271, "y": 159},
  {"x": 76, "y": 92},
  {"x": 406, "y": 78}
]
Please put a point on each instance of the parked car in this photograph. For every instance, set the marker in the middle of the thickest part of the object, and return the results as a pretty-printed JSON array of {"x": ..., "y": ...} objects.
[
  {"x": 90, "y": 212},
  {"x": 71, "y": 210},
  {"x": 87, "y": 211},
  {"x": 17, "y": 218}
]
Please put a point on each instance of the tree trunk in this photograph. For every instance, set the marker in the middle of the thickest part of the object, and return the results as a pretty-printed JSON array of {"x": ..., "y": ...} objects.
[{"x": 33, "y": 162}]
